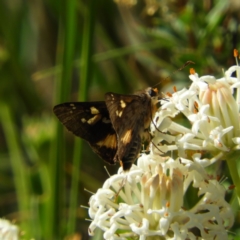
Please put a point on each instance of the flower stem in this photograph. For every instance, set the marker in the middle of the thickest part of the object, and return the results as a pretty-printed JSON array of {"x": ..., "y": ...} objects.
[{"x": 232, "y": 165}]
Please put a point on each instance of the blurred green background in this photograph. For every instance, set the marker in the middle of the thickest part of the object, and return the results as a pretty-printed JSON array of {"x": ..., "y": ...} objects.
[{"x": 57, "y": 51}]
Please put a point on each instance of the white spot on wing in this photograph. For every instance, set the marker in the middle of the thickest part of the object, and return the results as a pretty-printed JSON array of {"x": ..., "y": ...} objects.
[
  {"x": 94, "y": 110},
  {"x": 72, "y": 105},
  {"x": 119, "y": 113},
  {"x": 123, "y": 104},
  {"x": 83, "y": 120},
  {"x": 105, "y": 120},
  {"x": 94, "y": 119}
]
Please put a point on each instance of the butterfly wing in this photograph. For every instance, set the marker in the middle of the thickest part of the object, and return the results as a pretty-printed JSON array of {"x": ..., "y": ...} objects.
[
  {"x": 128, "y": 114},
  {"x": 90, "y": 121}
]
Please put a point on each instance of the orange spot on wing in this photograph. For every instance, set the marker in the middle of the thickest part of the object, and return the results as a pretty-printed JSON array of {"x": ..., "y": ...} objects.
[
  {"x": 127, "y": 137},
  {"x": 109, "y": 142}
]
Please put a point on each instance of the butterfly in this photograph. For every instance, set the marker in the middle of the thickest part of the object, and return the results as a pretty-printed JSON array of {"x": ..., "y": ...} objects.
[{"x": 114, "y": 128}]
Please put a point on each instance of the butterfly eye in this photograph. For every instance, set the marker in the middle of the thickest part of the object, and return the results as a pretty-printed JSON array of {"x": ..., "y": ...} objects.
[{"x": 153, "y": 92}]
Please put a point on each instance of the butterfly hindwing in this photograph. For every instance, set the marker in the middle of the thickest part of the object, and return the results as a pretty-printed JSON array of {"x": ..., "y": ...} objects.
[{"x": 90, "y": 121}]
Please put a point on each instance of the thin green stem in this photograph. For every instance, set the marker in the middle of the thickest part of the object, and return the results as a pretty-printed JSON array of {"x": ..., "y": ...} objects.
[
  {"x": 71, "y": 40},
  {"x": 19, "y": 169},
  {"x": 85, "y": 75},
  {"x": 233, "y": 169},
  {"x": 56, "y": 224}
]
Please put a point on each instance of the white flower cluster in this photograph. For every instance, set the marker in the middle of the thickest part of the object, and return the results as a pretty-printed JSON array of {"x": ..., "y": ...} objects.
[
  {"x": 211, "y": 111},
  {"x": 8, "y": 231},
  {"x": 144, "y": 203},
  {"x": 150, "y": 200}
]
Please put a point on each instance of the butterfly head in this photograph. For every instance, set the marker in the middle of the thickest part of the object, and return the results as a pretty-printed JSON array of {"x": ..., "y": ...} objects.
[{"x": 152, "y": 92}]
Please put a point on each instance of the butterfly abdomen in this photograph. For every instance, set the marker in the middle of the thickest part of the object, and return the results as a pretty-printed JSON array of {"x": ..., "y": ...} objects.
[{"x": 131, "y": 155}]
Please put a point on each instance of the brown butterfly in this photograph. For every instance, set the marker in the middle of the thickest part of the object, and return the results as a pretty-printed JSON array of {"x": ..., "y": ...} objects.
[{"x": 114, "y": 128}]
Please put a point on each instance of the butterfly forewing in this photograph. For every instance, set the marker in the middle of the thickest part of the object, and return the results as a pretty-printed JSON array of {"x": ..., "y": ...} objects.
[
  {"x": 90, "y": 121},
  {"x": 128, "y": 114}
]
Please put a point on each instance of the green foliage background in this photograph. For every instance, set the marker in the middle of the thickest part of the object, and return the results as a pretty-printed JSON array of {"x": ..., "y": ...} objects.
[{"x": 56, "y": 51}]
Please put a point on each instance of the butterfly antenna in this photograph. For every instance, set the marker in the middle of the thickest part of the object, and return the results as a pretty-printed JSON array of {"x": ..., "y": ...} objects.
[
  {"x": 179, "y": 69},
  {"x": 119, "y": 190},
  {"x": 157, "y": 130},
  {"x": 156, "y": 147}
]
